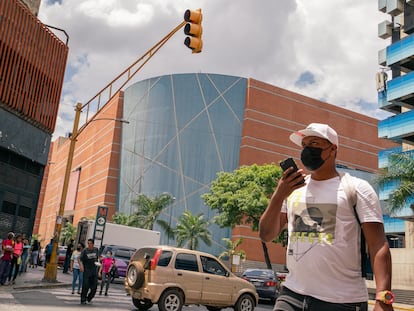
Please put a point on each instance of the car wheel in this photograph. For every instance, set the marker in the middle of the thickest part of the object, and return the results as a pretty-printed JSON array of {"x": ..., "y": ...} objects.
[
  {"x": 171, "y": 300},
  {"x": 244, "y": 303},
  {"x": 135, "y": 275},
  {"x": 210, "y": 308},
  {"x": 142, "y": 304}
]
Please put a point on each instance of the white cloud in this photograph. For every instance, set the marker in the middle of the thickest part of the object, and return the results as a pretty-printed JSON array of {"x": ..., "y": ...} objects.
[{"x": 273, "y": 41}]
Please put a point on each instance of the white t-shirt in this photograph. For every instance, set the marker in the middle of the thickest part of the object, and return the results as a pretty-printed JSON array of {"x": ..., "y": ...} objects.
[
  {"x": 323, "y": 253},
  {"x": 75, "y": 256}
]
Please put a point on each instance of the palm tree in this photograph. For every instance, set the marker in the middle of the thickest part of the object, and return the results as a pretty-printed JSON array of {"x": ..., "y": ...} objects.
[
  {"x": 149, "y": 209},
  {"x": 232, "y": 249},
  {"x": 400, "y": 172},
  {"x": 190, "y": 229}
]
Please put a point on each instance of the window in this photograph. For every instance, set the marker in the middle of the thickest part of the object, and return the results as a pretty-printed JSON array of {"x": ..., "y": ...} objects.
[
  {"x": 24, "y": 211},
  {"x": 186, "y": 262},
  {"x": 164, "y": 259},
  {"x": 9, "y": 208},
  {"x": 212, "y": 266}
]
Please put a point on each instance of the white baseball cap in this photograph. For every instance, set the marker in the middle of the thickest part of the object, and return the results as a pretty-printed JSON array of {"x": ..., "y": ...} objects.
[{"x": 315, "y": 129}]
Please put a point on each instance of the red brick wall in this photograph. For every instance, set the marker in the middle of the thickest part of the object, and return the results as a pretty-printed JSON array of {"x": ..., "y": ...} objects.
[{"x": 97, "y": 155}]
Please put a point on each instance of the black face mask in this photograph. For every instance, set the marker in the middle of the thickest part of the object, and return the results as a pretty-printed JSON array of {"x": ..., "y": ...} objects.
[
  {"x": 78, "y": 248},
  {"x": 311, "y": 157}
]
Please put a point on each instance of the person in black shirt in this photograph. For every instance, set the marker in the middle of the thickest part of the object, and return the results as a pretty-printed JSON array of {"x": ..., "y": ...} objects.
[
  {"x": 68, "y": 255},
  {"x": 34, "y": 254},
  {"x": 88, "y": 265}
]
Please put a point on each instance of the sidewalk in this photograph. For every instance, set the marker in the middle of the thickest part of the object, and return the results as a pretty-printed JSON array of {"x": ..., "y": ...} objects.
[{"x": 33, "y": 278}]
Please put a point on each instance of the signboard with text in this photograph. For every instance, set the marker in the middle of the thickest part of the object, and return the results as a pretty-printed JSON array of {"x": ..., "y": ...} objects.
[{"x": 100, "y": 223}]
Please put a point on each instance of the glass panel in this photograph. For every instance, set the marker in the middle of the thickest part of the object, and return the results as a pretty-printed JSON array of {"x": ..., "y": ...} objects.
[{"x": 185, "y": 129}]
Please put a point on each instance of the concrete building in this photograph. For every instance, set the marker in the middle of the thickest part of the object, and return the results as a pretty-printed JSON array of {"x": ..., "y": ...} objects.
[
  {"x": 395, "y": 94},
  {"x": 32, "y": 66},
  {"x": 183, "y": 129}
]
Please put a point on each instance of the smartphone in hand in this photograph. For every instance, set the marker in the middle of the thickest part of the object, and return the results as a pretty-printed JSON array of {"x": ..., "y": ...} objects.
[{"x": 289, "y": 162}]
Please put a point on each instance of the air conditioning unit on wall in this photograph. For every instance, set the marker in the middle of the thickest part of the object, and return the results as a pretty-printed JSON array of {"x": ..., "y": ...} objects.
[
  {"x": 395, "y": 7},
  {"x": 382, "y": 5},
  {"x": 382, "y": 57},
  {"x": 385, "y": 29}
]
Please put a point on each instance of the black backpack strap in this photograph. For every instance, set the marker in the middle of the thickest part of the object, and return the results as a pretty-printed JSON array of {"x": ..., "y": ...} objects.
[
  {"x": 363, "y": 247},
  {"x": 352, "y": 198}
]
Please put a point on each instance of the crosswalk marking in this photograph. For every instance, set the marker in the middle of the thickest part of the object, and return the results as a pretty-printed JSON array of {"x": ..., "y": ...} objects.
[{"x": 65, "y": 294}]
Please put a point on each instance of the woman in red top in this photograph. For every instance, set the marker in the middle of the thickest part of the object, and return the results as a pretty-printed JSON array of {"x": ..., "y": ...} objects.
[
  {"x": 105, "y": 271},
  {"x": 16, "y": 259},
  {"x": 5, "y": 260}
]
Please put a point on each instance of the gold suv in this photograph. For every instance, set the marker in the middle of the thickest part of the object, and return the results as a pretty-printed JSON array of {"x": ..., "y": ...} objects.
[{"x": 173, "y": 277}]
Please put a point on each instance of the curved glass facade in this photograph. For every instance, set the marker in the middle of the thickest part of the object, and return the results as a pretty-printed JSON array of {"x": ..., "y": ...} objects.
[{"x": 184, "y": 129}]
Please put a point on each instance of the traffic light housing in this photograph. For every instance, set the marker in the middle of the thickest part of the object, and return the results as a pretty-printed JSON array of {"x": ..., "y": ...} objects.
[{"x": 193, "y": 30}]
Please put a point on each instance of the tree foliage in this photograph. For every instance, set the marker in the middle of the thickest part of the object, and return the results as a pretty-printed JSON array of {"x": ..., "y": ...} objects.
[
  {"x": 242, "y": 195},
  {"x": 232, "y": 249},
  {"x": 68, "y": 233},
  {"x": 400, "y": 172},
  {"x": 149, "y": 209},
  {"x": 120, "y": 219},
  {"x": 190, "y": 229}
]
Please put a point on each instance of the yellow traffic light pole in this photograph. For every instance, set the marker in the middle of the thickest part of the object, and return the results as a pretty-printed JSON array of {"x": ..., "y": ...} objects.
[{"x": 51, "y": 268}]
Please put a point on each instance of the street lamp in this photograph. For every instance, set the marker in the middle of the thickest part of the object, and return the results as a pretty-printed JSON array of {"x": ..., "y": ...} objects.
[{"x": 51, "y": 267}]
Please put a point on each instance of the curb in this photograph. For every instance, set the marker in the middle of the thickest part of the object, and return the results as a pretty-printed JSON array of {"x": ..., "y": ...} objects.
[
  {"x": 41, "y": 285},
  {"x": 395, "y": 306}
]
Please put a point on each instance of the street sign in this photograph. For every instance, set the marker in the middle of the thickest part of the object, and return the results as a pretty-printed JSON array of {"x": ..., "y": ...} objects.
[{"x": 100, "y": 222}]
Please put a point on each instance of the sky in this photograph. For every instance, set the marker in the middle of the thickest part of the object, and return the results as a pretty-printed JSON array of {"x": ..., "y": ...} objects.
[{"x": 325, "y": 50}]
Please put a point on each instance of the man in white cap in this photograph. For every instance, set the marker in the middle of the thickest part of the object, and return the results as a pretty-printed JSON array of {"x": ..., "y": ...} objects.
[{"x": 323, "y": 253}]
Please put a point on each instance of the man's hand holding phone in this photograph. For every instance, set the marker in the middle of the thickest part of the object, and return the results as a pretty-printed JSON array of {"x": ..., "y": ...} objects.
[{"x": 291, "y": 169}]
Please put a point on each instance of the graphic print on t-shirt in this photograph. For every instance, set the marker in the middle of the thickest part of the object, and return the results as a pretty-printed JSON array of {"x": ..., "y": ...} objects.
[{"x": 312, "y": 224}]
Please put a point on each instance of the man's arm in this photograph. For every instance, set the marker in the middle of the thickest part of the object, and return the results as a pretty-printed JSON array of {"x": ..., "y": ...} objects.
[
  {"x": 273, "y": 220},
  {"x": 80, "y": 258},
  {"x": 380, "y": 258}
]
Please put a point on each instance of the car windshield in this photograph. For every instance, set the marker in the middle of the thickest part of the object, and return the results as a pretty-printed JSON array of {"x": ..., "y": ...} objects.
[{"x": 123, "y": 254}]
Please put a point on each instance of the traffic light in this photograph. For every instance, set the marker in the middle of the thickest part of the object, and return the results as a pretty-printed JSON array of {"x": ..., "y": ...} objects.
[{"x": 194, "y": 30}]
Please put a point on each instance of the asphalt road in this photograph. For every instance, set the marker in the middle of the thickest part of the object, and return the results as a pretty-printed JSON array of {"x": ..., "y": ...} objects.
[{"x": 60, "y": 298}]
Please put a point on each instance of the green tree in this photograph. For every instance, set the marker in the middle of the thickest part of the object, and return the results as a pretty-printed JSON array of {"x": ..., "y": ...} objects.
[
  {"x": 120, "y": 219},
  {"x": 241, "y": 196},
  {"x": 400, "y": 172},
  {"x": 149, "y": 209},
  {"x": 190, "y": 229},
  {"x": 68, "y": 233}
]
